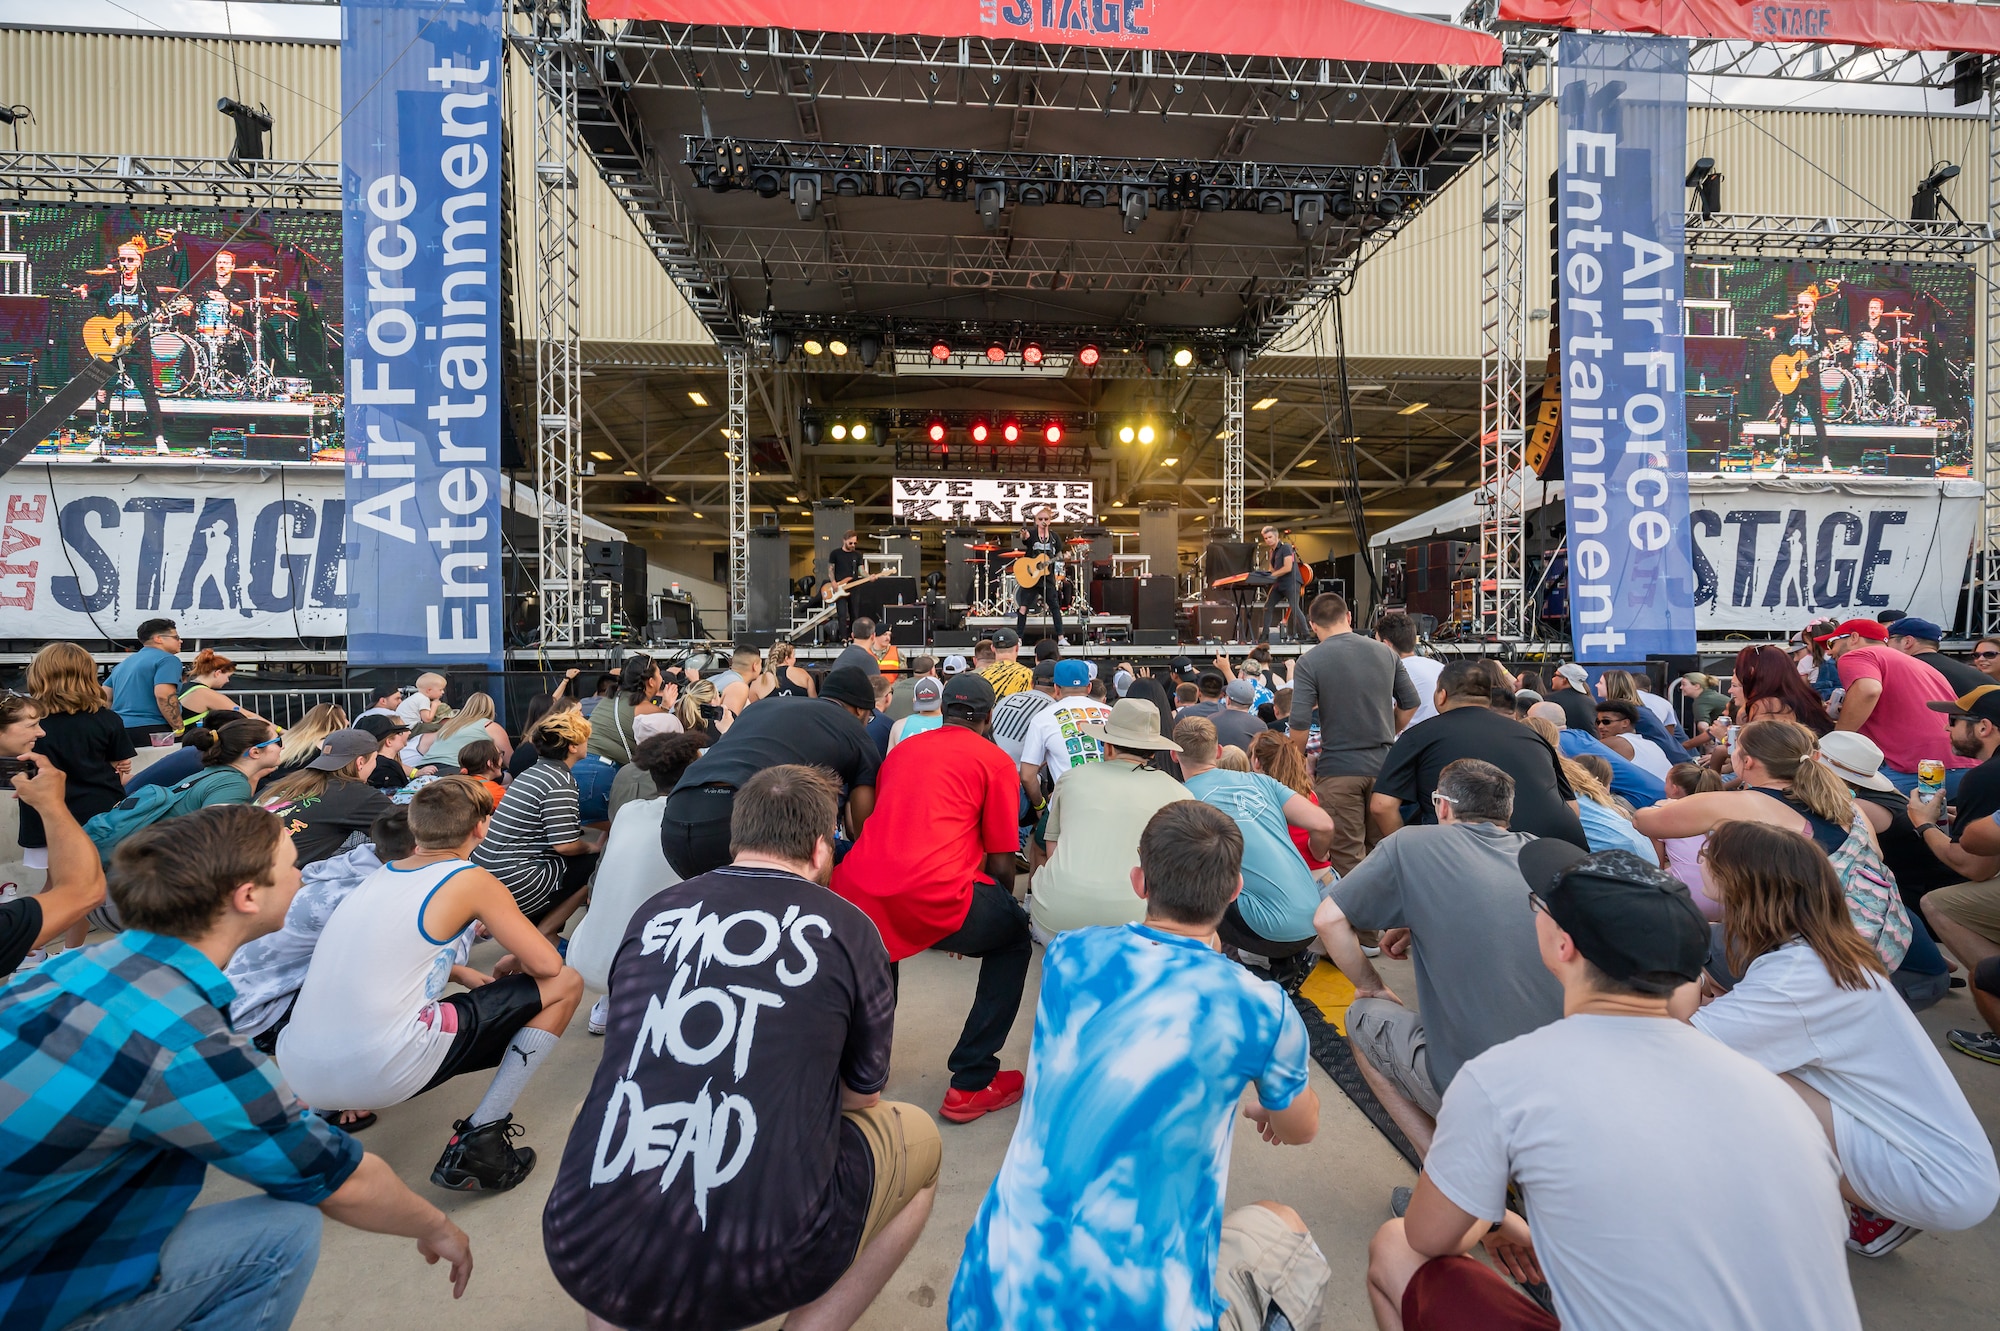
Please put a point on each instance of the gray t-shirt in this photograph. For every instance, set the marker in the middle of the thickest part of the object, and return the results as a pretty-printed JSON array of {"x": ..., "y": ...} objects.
[
  {"x": 859, "y": 657},
  {"x": 1458, "y": 890},
  {"x": 1670, "y": 1181},
  {"x": 1234, "y": 727},
  {"x": 1355, "y": 684}
]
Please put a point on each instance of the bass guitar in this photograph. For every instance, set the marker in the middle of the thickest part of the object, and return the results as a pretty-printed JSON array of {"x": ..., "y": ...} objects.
[{"x": 833, "y": 591}]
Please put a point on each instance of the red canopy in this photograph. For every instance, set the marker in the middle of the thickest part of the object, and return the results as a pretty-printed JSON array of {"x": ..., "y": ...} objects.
[
  {"x": 1293, "y": 29},
  {"x": 1905, "y": 25}
]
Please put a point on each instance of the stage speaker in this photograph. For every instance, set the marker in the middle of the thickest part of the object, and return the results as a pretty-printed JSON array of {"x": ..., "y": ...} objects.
[
  {"x": 1155, "y": 638},
  {"x": 908, "y": 625},
  {"x": 832, "y": 519},
  {"x": 954, "y": 640},
  {"x": 957, "y": 568},
  {"x": 869, "y": 598},
  {"x": 1115, "y": 596},
  {"x": 1154, "y": 603},
  {"x": 768, "y": 605},
  {"x": 1214, "y": 623},
  {"x": 1160, "y": 535},
  {"x": 1226, "y": 559},
  {"x": 625, "y": 564},
  {"x": 276, "y": 448}
]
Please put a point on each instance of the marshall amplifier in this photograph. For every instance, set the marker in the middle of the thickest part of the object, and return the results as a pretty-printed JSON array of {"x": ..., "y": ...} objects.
[
  {"x": 908, "y": 625},
  {"x": 1711, "y": 428}
]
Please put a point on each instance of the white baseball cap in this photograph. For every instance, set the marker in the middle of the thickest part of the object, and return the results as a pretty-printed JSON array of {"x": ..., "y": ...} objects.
[{"x": 954, "y": 665}]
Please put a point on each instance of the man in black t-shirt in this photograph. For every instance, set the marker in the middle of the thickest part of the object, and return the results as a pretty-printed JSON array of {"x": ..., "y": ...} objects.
[
  {"x": 1919, "y": 638},
  {"x": 76, "y": 875},
  {"x": 1569, "y": 689},
  {"x": 1284, "y": 593},
  {"x": 1036, "y": 540},
  {"x": 1466, "y": 726},
  {"x": 841, "y": 565},
  {"x": 219, "y": 283},
  {"x": 734, "y": 1160},
  {"x": 829, "y": 731},
  {"x": 1975, "y": 733}
]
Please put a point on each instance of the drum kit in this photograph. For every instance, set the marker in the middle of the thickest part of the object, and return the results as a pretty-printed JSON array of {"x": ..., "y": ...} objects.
[
  {"x": 999, "y": 575},
  {"x": 1862, "y": 375},
  {"x": 216, "y": 357}
]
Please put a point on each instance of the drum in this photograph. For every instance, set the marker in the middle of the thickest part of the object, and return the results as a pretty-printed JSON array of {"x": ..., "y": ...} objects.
[
  {"x": 1867, "y": 354},
  {"x": 211, "y": 317},
  {"x": 1836, "y": 388},
  {"x": 173, "y": 363}
]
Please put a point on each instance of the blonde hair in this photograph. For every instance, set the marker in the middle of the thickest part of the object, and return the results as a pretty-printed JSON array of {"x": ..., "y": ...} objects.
[
  {"x": 63, "y": 678},
  {"x": 1620, "y": 686},
  {"x": 478, "y": 710},
  {"x": 780, "y": 657},
  {"x": 1790, "y": 752},
  {"x": 302, "y": 740},
  {"x": 1232, "y": 759},
  {"x": 688, "y": 709}
]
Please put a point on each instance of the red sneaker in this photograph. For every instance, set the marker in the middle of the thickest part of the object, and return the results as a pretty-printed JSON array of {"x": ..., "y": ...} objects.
[
  {"x": 1873, "y": 1235},
  {"x": 965, "y": 1106}
]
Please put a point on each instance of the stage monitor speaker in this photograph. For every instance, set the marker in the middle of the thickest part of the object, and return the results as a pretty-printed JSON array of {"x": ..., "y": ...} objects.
[
  {"x": 949, "y": 640},
  {"x": 1155, "y": 606},
  {"x": 869, "y": 598},
  {"x": 1214, "y": 623},
  {"x": 276, "y": 448},
  {"x": 908, "y": 625},
  {"x": 1160, "y": 535},
  {"x": 624, "y": 563},
  {"x": 762, "y": 639},
  {"x": 1115, "y": 596},
  {"x": 1226, "y": 559},
  {"x": 1155, "y": 638},
  {"x": 768, "y": 603}
]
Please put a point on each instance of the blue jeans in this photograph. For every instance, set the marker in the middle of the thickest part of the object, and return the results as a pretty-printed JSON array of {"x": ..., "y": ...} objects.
[
  {"x": 233, "y": 1266},
  {"x": 1907, "y": 781},
  {"x": 593, "y": 776}
]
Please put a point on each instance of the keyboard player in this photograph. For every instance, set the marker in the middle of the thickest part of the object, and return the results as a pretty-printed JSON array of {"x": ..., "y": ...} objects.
[{"x": 1283, "y": 563}]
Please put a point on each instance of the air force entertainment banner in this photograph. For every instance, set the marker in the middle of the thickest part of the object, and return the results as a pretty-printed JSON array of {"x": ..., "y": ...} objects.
[
  {"x": 420, "y": 171},
  {"x": 1622, "y": 128}
]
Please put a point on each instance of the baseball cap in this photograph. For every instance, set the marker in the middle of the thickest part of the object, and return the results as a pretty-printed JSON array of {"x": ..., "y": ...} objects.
[
  {"x": 1574, "y": 673},
  {"x": 954, "y": 665},
  {"x": 1072, "y": 674},
  {"x": 1183, "y": 665},
  {"x": 970, "y": 693},
  {"x": 1912, "y": 627},
  {"x": 1626, "y": 917},
  {"x": 1045, "y": 672},
  {"x": 1982, "y": 703},
  {"x": 381, "y": 727},
  {"x": 928, "y": 695},
  {"x": 1005, "y": 638},
  {"x": 849, "y": 684},
  {"x": 1860, "y": 628},
  {"x": 1122, "y": 681},
  {"x": 1241, "y": 692},
  {"x": 343, "y": 747}
]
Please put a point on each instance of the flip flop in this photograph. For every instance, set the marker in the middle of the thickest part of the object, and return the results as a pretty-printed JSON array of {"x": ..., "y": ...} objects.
[{"x": 363, "y": 1121}]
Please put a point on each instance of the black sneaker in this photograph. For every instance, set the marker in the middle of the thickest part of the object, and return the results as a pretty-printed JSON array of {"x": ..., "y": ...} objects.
[
  {"x": 1293, "y": 971},
  {"x": 1982, "y": 1045},
  {"x": 483, "y": 1159},
  {"x": 1399, "y": 1201}
]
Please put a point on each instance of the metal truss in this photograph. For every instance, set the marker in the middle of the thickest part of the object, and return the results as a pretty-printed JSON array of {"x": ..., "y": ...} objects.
[
  {"x": 737, "y": 437},
  {"x": 1502, "y": 603},
  {"x": 1003, "y": 74},
  {"x": 1234, "y": 440},
  {"x": 193, "y": 181},
  {"x": 558, "y": 382},
  {"x": 1818, "y": 62},
  {"x": 1893, "y": 238}
]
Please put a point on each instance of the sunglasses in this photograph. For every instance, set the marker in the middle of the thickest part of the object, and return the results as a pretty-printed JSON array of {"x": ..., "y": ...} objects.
[
  {"x": 267, "y": 743},
  {"x": 1984, "y": 656},
  {"x": 1535, "y": 902}
]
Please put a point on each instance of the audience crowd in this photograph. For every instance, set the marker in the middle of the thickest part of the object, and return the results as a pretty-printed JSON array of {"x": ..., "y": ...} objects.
[{"x": 1659, "y": 1058}]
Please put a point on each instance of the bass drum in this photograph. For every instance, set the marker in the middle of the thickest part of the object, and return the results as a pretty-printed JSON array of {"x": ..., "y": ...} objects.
[
  {"x": 1837, "y": 393},
  {"x": 175, "y": 364}
]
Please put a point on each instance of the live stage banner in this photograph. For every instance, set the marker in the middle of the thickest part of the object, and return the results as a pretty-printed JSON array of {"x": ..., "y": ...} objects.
[
  {"x": 420, "y": 176},
  {"x": 983, "y": 500},
  {"x": 1908, "y": 25},
  {"x": 1622, "y": 146}
]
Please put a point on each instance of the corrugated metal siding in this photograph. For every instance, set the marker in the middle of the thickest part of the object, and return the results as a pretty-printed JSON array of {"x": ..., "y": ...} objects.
[{"x": 155, "y": 96}]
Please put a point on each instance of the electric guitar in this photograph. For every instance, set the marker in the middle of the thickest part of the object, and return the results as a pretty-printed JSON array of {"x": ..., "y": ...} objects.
[
  {"x": 1031, "y": 569},
  {"x": 833, "y": 591}
]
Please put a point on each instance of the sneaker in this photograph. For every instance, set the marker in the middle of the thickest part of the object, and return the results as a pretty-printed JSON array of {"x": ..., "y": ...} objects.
[
  {"x": 1984, "y": 1046},
  {"x": 1369, "y": 951},
  {"x": 600, "y": 1015},
  {"x": 965, "y": 1106},
  {"x": 1399, "y": 1201},
  {"x": 483, "y": 1159},
  {"x": 32, "y": 960},
  {"x": 1293, "y": 971},
  {"x": 1874, "y": 1235}
]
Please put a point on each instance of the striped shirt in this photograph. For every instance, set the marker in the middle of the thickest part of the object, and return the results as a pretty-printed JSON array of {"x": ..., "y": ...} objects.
[
  {"x": 1007, "y": 678},
  {"x": 121, "y": 1083},
  {"x": 1014, "y": 715},
  {"x": 539, "y": 810}
]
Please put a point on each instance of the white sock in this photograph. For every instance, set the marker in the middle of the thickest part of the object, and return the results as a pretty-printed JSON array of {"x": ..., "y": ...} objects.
[{"x": 525, "y": 1053}]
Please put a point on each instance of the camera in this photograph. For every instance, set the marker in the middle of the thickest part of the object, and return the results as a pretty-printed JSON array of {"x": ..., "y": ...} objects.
[
  {"x": 710, "y": 711},
  {"x": 13, "y": 767}
]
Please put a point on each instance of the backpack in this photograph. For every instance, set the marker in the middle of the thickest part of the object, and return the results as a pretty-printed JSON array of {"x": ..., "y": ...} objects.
[
  {"x": 150, "y": 805},
  {"x": 1873, "y": 901}
]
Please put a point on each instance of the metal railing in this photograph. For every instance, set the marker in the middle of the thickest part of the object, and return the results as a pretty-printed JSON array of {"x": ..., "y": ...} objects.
[{"x": 285, "y": 707}]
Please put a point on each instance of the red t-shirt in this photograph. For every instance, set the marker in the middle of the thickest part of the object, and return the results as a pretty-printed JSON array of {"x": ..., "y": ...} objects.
[
  {"x": 1303, "y": 840},
  {"x": 1906, "y": 730},
  {"x": 944, "y": 801}
]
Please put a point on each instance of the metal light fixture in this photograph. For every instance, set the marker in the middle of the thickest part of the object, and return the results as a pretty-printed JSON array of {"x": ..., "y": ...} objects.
[{"x": 252, "y": 124}]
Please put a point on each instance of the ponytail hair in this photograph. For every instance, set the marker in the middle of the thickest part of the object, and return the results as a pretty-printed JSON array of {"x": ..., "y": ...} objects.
[
  {"x": 225, "y": 743},
  {"x": 1790, "y": 752},
  {"x": 207, "y": 662},
  {"x": 635, "y": 672}
]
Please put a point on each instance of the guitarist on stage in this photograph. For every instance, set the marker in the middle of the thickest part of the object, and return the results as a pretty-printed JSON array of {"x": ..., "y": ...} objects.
[
  {"x": 1033, "y": 541},
  {"x": 841, "y": 565},
  {"x": 129, "y": 292},
  {"x": 1805, "y": 336}
]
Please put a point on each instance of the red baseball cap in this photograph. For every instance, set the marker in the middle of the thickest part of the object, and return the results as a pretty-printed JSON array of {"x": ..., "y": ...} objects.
[{"x": 1860, "y": 628}]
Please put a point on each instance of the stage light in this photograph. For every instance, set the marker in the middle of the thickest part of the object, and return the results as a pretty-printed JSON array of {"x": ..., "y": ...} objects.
[
  {"x": 805, "y": 196},
  {"x": 813, "y": 347},
  {"x": 992, "y": 200},
  {"x": 869, "y": 348},
  {"x": 936, "y": 432},
  {"x": 1388, "y": 206},
  {"x": 860, "y": 431},
  {"x": 1308, "y": 211},
  {"x": 1132, "y": 207},
  {"x": 1237, "y": 356},
  {"x": 1183, "y": 357},
  {"x": 839, "y": 432},
  {"x": 1126, "y": 434},
  {"x": 1146, "y": 435},
  {"x": 1706, "y": 182},
  {"x": 811, "y": 431},
  {"x": 953, "y": 175},
  {"x": 997, "y": 354},
  {"x": 836, "y": 346},
  {"x": 1011, "y": 432},
  {"x": 1929, "y": 197},
  {"x": 732, "y": 165},
  {"x": 979, "y": 432},
  {"x": 1031, "y": 354},
  {"x": 251, "y": 127},
  {"x": 940, "y": 351},
  {"x": 781, "y": 347},
  {"x": 1053, "y": 433},
  {"x": 1343, "y": 206},
  {"x": 1413, "y": 409},
  {"x": 697, "y": 397},
  {"x": 1088, "y": 355},
  {"x": 1156, "y": 360}
]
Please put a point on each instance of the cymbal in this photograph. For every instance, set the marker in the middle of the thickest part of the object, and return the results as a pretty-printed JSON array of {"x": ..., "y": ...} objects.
[
  {"x": 1013, "y": 554},
  {"x": 100, "y": 272},
  {"x": 166, "y": 288},
  {"x": 982, "y": 547},
  {"x": 1079, "y": 540},
  {"x": 976, "y": 559},
  {"x": 265, "y": 300},
  {"x": 1897, "y": 314},
  {"x": 256, "y": 270}
]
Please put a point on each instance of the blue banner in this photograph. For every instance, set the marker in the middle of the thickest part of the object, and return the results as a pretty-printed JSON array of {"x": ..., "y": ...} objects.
[
  {"x": 1622, "y": 147},
  {"x": 420, "y": 172}
]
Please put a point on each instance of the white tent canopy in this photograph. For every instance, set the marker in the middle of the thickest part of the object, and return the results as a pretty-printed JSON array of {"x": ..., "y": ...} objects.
[{"x": 1460, "y": 514}]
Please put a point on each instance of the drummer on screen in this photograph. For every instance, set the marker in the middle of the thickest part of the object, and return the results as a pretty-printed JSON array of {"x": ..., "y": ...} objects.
[
  {"x": 129, "y": 291},
  {"x": 220, "y": 296}
]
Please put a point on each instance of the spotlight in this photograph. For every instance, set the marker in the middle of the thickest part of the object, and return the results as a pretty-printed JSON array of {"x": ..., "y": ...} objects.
[
  {"x": 1388, "y": 206},
  {"x": 936, "y": 432},
  {"x": 1126, "y": 434},
  {"x": 954, "y": 176},
  {"x": 805, "y": 196},
  {"x": 1146, "y": 435},
  {"x": 1088, "y": 355},
  {"x": 1011, "y": 432},
  {"x": 811, "y": 431},
  {"x": 1929, "y": 197},
  {"x": 836, "y": 346},
  {"x": 1053, "y": 433},
  {"x": 1031, "y": 354},
  {"x": 781, "y": 347},
  {"x": 1343, "y": 206},
  {"x": 1181, "y": 189},
  {"x": 860, "y": 431},
  {"x": 940, "y": 351},
  {"x": 1237, "y": 356},
  {"x": 1093, "y": 196},
  {"x": 813, "y": 346},
  {"x": 1308, "y": 211},
  {"x": 869, "y": 347},
  {"x": 1183, "y": 357},
  {"x": 1156, "y": 360},
  {"x": 997, "y": 354},
  {"x": 732, "y": 165},
  {"x": 992, "y": 199},
  {"x": 251, "y": 127},
  {"x": 839, "y": 432},
  {"x": 979, "y": 432},
  {"x": 1132, "y": 207}
]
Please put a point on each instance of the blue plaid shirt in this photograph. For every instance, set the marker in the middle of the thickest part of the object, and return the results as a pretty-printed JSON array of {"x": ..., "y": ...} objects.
[{"x": 120, "y": 1083}]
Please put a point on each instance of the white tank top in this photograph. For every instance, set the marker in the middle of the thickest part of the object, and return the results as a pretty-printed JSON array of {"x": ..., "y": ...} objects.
[{"x": 366, "y": 1032}]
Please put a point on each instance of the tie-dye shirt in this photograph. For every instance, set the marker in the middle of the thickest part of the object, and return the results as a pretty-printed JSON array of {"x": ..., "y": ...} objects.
[{"x": 1108, "y": 1208}]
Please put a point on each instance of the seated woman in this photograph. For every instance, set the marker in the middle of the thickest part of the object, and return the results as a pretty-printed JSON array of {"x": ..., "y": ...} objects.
[
  {"x": 1815, "y": 1006},
  {"x": 1606, "y": 825},
  {"x": 474, "y": 721},
  {"x": 302, "y": 742},
  {"x": 329, "y": 800},
  {"x": 481, "y": 761},
  {"x": 203, "y": 692},
  {"x": 535, "y": 843},
  {"x": 1767, "y": 687},
  {"x": 1681, "y": 856},
  {"x": 782, "y": 676}
]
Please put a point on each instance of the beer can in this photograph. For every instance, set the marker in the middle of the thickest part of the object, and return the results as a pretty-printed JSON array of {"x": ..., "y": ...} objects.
[{"x": 1930, "y": 771}]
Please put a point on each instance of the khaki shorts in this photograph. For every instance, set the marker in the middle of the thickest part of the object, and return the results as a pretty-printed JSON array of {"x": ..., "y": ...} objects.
[
  {"x": 1262, "y": 1261},
  {"x": 1974, "y": 905},
  {"x": 1391, "y": 1038},
  {"x": 907, "y": 1151}
]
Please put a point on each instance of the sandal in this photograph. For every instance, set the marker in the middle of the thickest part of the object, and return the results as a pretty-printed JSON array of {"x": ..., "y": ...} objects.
[{"x": 363, "y": 1118}]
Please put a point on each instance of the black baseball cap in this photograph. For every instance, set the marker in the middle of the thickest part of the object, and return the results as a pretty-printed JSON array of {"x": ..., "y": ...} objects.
[
  {"x": 1045, "y": 673},
  {"x": 1982, "y": 703},
  {"x": 849, "y": 684},
  {"x": 381, "y": 727},
  {"x": 968, "y": 693},
  {"x": 1626, "y": 917},
  {"x": 1004, "y": 638}
]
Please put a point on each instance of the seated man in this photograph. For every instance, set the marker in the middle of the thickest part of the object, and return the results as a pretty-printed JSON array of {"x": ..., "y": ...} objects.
[
  {"x": 1104, "y": 806},
  {"x": 1618, "y": 730},
  {"x": 1629, "y": 781},
  {"x": 1455, "y": 892},
  {"x": 1274, "y": 916},
  {"x": 1108, "y": 1209},
  {"x": 1637, "y": 1220},
  {"x": 123, "y": 1083},
  {"x": 934, "y": 868},
  {"x": 372, "y": 1025},
  {"x": 758, "y": 1172}
]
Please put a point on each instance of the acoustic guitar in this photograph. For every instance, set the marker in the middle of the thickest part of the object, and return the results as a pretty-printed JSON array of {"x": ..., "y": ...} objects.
[
  {"x": 107, "y": 337},
  {"x": 1031, "y": 569},
  {"x": 1789, "y": 370}
]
